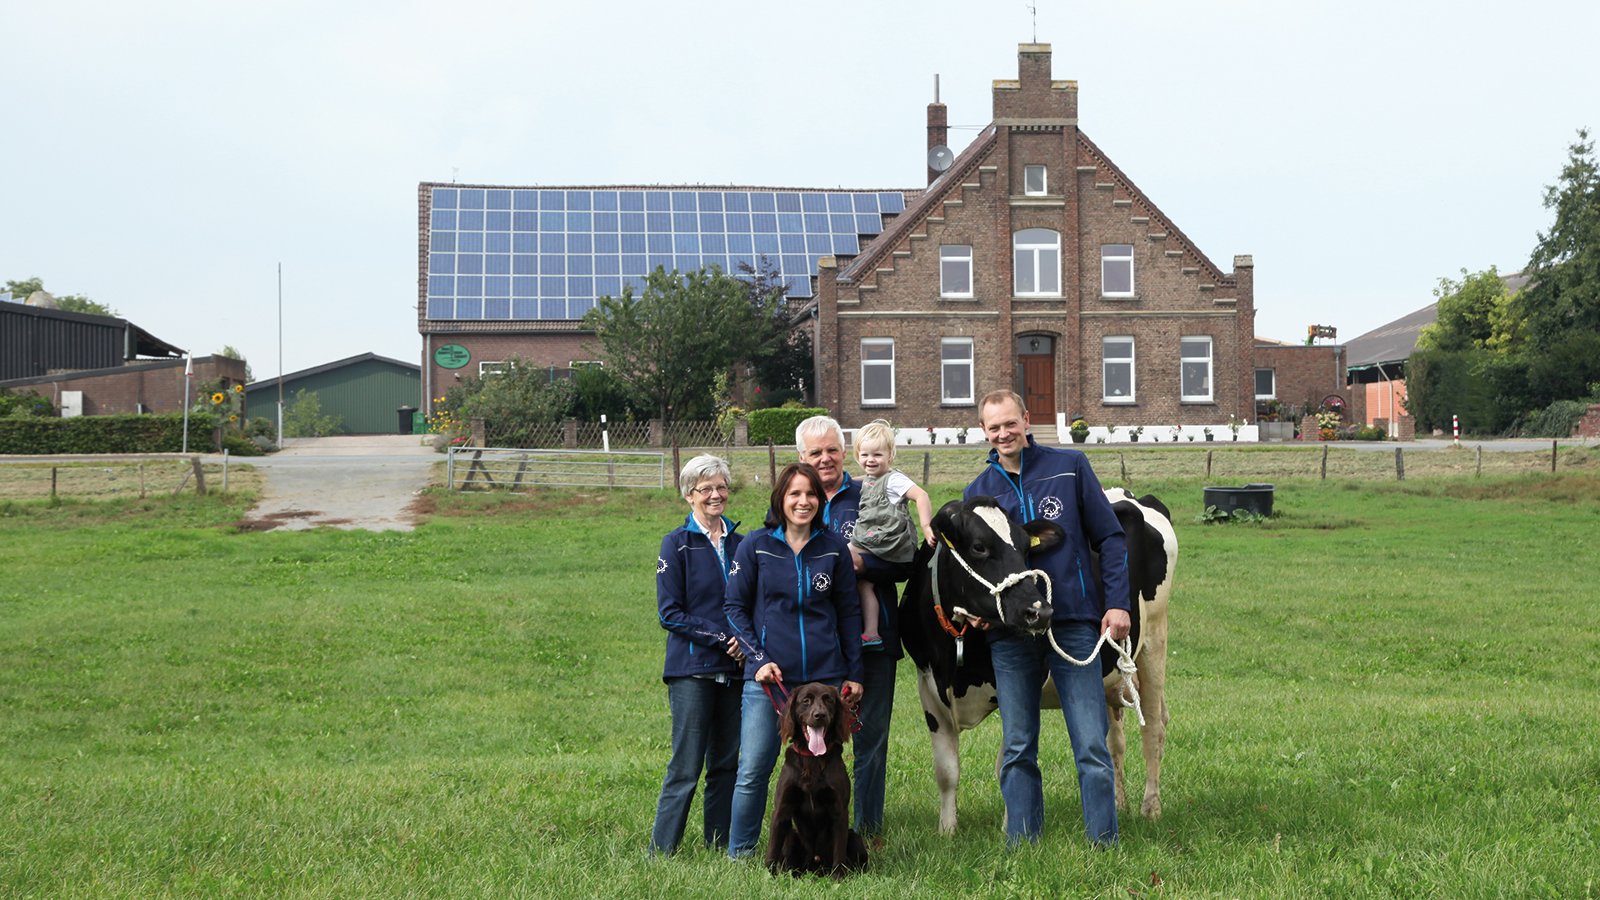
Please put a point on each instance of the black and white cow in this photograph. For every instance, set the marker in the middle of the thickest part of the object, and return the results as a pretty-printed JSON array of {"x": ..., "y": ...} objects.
[{"x": 957, "y": 695}]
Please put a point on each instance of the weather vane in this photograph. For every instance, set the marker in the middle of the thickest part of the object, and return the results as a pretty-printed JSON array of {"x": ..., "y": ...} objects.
[{"x": 1034, "y": 8}]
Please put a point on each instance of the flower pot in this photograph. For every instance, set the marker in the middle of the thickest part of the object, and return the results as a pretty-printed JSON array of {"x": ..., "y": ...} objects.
[
  {"x": 1134, "y": 438},
  {"x": 1209, "y": 437},
  {"x": 1236, "y": 437},
  {"x": 1078, "y": 438},
  {"x": 961, "y": 439}
]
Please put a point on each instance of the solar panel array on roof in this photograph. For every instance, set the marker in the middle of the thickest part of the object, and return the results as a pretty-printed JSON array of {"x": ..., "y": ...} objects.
[{"x": 505, "y": 253}]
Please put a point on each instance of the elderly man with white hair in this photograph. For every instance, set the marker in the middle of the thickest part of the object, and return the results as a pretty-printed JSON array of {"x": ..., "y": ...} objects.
[{"x": 820, "y": 442}]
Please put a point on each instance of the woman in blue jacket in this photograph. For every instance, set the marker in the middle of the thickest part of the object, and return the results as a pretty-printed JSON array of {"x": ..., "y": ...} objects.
[
  {"x": 702, "y": 673},
  {"x": 793, "y": 605}
]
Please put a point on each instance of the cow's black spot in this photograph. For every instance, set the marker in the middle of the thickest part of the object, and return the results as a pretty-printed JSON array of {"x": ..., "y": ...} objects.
[{"x": 933, "y": 724}]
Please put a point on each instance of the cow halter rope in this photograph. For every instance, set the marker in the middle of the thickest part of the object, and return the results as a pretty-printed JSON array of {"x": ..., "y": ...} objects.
[{"x": 1124, "y": 647}]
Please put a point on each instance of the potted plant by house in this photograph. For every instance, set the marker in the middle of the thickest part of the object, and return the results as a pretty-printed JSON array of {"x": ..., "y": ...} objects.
[
  {"x": 1234, "y": 425},
  {"x": 1208, "y": 432},
  {"x": 1080, "y": 430},
  {"x": 1134, "y": 432},
  {"x": 1175, "y": 431}
]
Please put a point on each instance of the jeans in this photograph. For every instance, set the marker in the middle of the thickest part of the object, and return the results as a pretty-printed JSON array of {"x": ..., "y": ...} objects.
[
  {"x": 758, "y": 753},
  {"x": 872, "y": 741},
  {"x": 705, "y": 729},
  {"x": 1020, "y": 666}
]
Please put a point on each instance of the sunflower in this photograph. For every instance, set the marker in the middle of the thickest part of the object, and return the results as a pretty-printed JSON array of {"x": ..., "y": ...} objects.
[
  {"x": 218, "y": 397},
  {"x": 238, "y": 389},
  {"x": 233, "y": 418}
]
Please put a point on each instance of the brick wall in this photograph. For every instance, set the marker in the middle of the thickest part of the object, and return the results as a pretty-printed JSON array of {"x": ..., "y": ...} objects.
[
  {"x": 559, "y": 349},
  {"x": 157, "y": 384},
  {"x": 1304, "y": 374}
]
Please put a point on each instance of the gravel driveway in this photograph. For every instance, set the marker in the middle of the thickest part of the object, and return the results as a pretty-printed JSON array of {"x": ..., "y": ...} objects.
[{"x": 369, "y": 482}]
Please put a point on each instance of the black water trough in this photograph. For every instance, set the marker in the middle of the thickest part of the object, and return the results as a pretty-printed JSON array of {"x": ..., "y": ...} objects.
[{"x": 1256, "y": 498}]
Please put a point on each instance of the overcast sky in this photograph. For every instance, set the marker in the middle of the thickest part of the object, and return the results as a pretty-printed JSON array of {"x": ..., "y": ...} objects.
[{"x": 164, "y": 157}]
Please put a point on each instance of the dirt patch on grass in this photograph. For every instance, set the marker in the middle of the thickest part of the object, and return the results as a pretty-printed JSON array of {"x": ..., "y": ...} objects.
[{"x": 273, "y": 520}]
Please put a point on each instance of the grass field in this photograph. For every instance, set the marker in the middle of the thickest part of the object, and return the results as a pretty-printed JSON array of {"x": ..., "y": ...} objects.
[{"x": 1389, "y": 690}]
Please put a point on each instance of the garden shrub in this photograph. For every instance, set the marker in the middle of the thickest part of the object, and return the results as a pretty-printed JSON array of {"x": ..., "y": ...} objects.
[
  {"x": 105, "y": 434},
  {"x": 779, "y": 424},
  {"x": 20, "y": 404}
]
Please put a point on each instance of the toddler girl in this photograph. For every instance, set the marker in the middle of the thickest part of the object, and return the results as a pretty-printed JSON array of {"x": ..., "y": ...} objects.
[{"x": 883, "y": 524}]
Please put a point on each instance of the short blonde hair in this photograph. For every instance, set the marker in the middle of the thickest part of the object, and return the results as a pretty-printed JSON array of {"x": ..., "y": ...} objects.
[{"x": 880, "y": 432}]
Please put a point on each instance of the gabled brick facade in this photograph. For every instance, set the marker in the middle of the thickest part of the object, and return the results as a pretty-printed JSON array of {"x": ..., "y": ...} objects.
[{"x": 892, "y": 290}]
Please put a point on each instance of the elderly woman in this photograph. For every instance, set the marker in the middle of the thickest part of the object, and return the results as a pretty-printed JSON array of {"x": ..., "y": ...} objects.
[
  {"x": 792, "y": 603},
  {"x": 703, "y": 666}
]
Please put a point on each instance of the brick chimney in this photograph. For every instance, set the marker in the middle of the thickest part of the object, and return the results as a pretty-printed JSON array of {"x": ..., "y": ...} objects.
[
  {"x": 1033, "y": 97},
  {"x": 938, "y": 127}
]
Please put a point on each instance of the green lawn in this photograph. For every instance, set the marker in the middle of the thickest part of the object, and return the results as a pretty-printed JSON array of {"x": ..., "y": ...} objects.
[{"x": 1388, "y": 690}]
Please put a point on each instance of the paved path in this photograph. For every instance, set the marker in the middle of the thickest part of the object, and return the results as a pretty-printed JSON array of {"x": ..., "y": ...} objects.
[{"x": 349, "y": 481}]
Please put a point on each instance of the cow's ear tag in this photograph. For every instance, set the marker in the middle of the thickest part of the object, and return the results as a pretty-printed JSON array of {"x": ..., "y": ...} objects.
[{"x": 1033, "y": 540}]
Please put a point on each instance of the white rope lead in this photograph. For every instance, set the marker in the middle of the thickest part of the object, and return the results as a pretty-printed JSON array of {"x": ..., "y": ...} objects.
[
  {"x": 1124, "y": 647},
  {"x": 1125, "y": 666}
]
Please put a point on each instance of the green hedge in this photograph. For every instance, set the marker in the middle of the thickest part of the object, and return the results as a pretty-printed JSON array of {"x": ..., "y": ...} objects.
[
  {"x": 778, "y": 424},
  {"x": 105, "y": 434}
]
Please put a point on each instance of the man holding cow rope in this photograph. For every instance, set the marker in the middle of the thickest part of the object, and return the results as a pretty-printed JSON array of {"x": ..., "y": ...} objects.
[{"x": 1056, "y": 484}]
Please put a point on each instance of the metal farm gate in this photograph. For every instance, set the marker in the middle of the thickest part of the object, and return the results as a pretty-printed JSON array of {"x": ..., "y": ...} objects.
[{"x": 511, "y": 469}]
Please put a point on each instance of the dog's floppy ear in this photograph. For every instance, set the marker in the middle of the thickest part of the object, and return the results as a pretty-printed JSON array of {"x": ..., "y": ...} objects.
[
  {"x": 786, "y": 721},
  {"x": 839, "y": 731}
]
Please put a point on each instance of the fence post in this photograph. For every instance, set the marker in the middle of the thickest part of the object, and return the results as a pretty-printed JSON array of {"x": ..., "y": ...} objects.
[
  {"x": 927, "y": 459},
  {"x": 1122, "y": 461},
  {"x": 772, "y": 461},
  {"x": 676, "y": 467},
  {"x": 569, "y": 434},
  {"x": 199, "y": 478},
  {"x": 741, "y": 432},
  {"x": 1479, "y": 473},
  {"x": 1208, "y": 465},
  {"x": 1399, "y": 464},
  {"x": 1324, "y": 462},
  {"x": 141, "y": 479},
  {"x": 52, "y": 482},
  {"x": 478, "y": 438},
  {"x": 1554, "y": 445},
  {"x": 657, "y": 434}
]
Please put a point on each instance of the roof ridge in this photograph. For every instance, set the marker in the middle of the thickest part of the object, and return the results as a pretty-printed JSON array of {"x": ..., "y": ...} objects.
[
  {"x": 917, "y": 211},
  {"x": 1145, "y": 198}
]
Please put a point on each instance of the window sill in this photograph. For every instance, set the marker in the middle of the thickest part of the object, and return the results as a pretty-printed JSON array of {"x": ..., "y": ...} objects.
[
  {"x": 958, "y": 404},
  {"x": 959, "y": 298},
  {"x": 1197, "y": 403},
  {"x": 1119, "y": 297},
  {"x": 877, "y": 404},
  {"x": 1038, "y": 297},
  {"x": 1119, "y": 403}
]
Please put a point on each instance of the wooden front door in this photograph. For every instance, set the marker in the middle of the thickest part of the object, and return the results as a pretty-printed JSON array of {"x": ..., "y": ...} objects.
[{"x": 1039, "y": 387}]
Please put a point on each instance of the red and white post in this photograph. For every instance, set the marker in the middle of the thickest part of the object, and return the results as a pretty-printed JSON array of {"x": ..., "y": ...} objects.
[{"x": 1455, "y": 428}]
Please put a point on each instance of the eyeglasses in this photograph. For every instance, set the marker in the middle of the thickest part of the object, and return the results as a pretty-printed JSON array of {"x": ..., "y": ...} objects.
[{"x": 721, "y": 489}]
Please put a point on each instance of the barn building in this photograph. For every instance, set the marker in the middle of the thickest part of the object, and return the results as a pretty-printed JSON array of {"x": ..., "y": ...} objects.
[{"x": 366, "y": 391}]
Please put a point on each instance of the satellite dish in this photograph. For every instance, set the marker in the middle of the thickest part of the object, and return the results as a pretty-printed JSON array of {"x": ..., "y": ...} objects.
[{"x": 940, "y": 158}]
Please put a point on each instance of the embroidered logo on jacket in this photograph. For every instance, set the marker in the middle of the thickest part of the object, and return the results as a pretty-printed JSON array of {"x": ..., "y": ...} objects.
[
  {"x": 821, "y": 582},
  {"x": 661, "y": 565},
  {"x": 848, "y": 532},
  {"x": 1050, "y": 508},
  {"x": 735, "y": 570}
]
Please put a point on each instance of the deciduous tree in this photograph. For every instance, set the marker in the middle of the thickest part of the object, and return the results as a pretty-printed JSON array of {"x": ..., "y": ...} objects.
[
  {"x": 1563, "y": 294},
  {"x": 670, "y": 341},
  {"x": 20, "y": 291}
]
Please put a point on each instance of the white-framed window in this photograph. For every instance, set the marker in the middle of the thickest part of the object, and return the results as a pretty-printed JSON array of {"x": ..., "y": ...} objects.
[
  {"x": 1195, "y": 364},
  {"x": 492, "y": 368},
  {"x": 1116, "y": 354},
  {"x": 955, "y": 370},
  {"x": 586, "y": 363},
  {"x": 1266, "y": 384},
  {"x": 955, "y": 270},
  {"x": 1116, "y": 270},
  {"x": 877, "y": 371},
  {"x": 1034, "y": 181},
  {"x": 1037, "y": 252}
]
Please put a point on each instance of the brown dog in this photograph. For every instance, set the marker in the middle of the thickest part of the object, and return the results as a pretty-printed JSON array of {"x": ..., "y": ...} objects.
[{"x": 811, "y": 810}]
